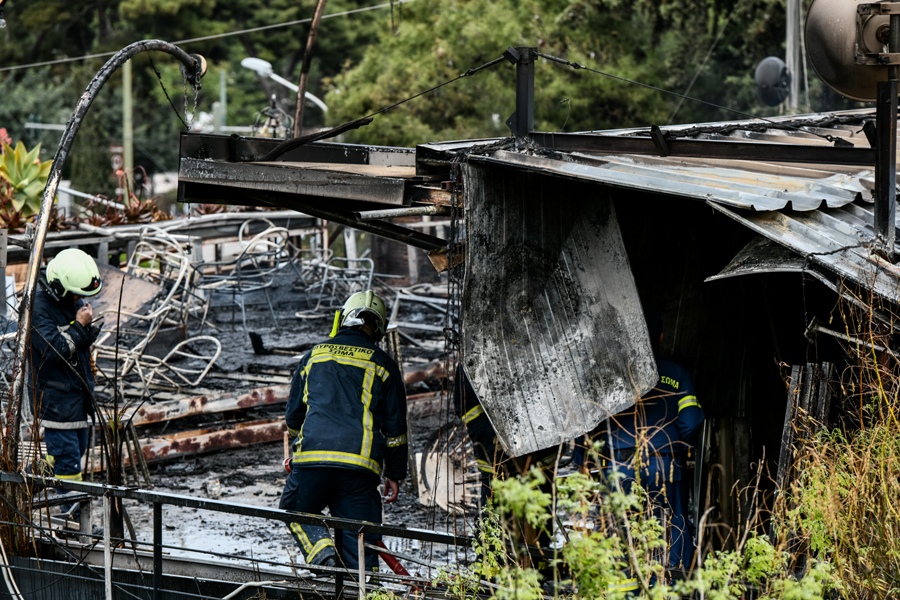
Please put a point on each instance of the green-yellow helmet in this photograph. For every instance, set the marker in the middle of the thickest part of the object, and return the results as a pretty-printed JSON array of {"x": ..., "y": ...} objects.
[
  {"x": 356, "y": 306},
  {"x": 73, "y": 271}
]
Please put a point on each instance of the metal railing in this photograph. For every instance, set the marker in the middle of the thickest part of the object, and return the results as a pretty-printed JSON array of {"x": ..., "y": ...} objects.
[{"x": 343, "y": 580}]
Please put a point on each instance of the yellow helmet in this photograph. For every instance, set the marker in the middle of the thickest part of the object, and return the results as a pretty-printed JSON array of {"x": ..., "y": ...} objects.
[
  {"x": 360, "y": 303},
  {"x": 73, "y": 271}
]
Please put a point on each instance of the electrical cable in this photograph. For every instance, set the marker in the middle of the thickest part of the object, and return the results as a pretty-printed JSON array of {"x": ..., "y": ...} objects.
[
  {"x": 468, "y": 73},
  {"x": 11, "y": 585},
  {"x": 211, "y": 37},
  {"x": 833, "y": 139},
  {"x": 166, "y": 92},
  {"x": 703, "y": 64}
]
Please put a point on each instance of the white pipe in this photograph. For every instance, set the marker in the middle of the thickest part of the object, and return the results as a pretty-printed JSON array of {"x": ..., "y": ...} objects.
[
  {"x": 250, "y": 584},
  {"x": 8, "y": 576},
  {"x": 107, "y": 546}
]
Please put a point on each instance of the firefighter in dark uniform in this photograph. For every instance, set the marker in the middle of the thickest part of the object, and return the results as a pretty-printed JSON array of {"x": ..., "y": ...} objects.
[
  {"x": 481, "y": 432},
  {"x": 346, "y": 414},
  {"x": 650, "y": 442},
  {"x": 62, "y": 380}
]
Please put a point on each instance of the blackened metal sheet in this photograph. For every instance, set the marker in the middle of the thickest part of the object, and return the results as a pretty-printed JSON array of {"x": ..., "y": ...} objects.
[
  {"x": 838, "y": 240},
  {"x": 746, "y": 187},
  {"x": 762, "y": 255},
  {"x": 554, "y": 335}
]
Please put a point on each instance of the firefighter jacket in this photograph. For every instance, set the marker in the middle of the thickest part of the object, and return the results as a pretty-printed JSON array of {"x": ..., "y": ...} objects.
[
  {"x": 347, "y": 407},
  {"x": 484, "y": 439},
  {"x": 666, "y": 420},
  {"x": 468, "y": 407},
  {"x": 62, "y": 380}
]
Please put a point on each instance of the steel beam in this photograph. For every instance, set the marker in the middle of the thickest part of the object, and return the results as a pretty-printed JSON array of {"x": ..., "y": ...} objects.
[
  {"x": 200, "y": 441},
  {"x": 718, "y": 149},
  {"x": 390, "y": 231},
  {"x": 213, "y": 147},
  {"x": 365, "y": 183}
]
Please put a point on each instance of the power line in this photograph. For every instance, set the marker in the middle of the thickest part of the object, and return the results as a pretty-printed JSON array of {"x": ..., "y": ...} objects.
[
  {"x": 703, "y": 64},
  {"x": 468, "y": 73},
  {"x": 211, "y": 37},
  {"x": 576, "y": 66}
]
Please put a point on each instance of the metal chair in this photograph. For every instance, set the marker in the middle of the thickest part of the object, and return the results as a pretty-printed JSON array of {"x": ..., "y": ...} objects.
[
  {"x": 252, "y": 271},
  {"x": 145, "y": 310},
  {"x": 340, "y": 278}
]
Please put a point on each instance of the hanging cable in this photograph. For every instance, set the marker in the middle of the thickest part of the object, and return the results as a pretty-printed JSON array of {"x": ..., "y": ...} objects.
[
  {"x": 702, "y": 65},
  {"x": 833, "y": 139},
  {"x": 166, "y": 92},
  {"x": 210, "y": 37}
]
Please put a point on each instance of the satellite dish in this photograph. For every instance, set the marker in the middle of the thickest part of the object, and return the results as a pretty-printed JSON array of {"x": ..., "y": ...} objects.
[
  {"x": 773, "y": 81},
  {"x": 831, "y": 44}
]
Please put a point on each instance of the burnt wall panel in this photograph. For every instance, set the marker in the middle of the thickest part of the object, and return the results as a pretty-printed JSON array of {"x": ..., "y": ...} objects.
[{"x": 554, "y": 335}]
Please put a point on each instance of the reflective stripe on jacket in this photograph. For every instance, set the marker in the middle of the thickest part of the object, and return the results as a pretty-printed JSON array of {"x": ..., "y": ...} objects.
[
  {"x": 347, "y": 407},
  {"x": 666, "y": 420}
]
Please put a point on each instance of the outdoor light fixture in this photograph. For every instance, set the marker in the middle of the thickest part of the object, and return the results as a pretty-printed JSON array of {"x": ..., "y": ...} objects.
[{"x": 264, "y": 69}]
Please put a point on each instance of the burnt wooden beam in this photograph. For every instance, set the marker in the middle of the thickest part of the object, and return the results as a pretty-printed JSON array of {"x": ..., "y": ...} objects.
[{"x": 159, "y": 412}]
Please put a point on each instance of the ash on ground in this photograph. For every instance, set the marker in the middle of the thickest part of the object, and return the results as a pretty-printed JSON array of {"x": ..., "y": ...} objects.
[{"x": 254, "y": 475}]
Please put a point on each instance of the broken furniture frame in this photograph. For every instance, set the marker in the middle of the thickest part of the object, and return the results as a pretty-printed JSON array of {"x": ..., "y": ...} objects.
[
  {"x": 341, "y": 277},
  {"x": 163, "y": 262},
  {"x": 252, "y": 270}
]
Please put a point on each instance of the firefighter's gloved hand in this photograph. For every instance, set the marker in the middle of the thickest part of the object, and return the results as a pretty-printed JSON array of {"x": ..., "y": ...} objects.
[
  {"x": 391, "y": 490},
  {"x": 93, "y": 333},
  {"x": 287, "y": 464}
]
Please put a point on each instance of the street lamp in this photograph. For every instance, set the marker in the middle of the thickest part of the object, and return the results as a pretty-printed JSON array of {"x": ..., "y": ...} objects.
[{"x": 264, "y": 69}]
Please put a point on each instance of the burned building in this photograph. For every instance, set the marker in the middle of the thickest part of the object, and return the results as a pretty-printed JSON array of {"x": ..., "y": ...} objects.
[{"x": 745, "y": 235}]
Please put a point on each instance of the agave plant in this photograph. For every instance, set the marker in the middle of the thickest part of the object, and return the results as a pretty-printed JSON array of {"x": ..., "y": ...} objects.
[{"x": 25, "y": 175}]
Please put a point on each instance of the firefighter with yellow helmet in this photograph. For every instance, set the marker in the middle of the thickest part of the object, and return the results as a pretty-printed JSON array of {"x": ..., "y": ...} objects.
[
  {"x": 61, "y": 381},
  {"x": 346, "y": 415}
]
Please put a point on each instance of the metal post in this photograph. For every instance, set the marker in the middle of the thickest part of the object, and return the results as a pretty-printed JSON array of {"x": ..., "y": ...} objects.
[
  {"x": 521, "y": 123},
  {"x": 4, "y": 239},
  {"x": 339, "y": 573},
  {"x": 361, "y": 562},
  {"x": 193, "y": 71},
  {"x": 793, "y": 19},
  {"x": 886, "y": 152},
  {"x": 157, "y": 551},
  {"x": 127, "y": 129},
  {"x": 107, "y": 546}
]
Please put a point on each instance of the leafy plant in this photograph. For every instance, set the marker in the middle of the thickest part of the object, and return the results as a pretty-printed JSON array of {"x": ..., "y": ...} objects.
[
  {"x": 127, "y": 209},
  {"x": 25, "y": 176},
  {"x": 615, "y": 550}
]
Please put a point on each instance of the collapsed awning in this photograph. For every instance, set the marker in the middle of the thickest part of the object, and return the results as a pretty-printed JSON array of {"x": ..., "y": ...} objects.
[{"x": 837, "y": 240}]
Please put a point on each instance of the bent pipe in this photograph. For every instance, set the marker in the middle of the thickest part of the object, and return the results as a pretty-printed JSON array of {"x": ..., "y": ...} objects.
[{"x": 192, "y": 70}]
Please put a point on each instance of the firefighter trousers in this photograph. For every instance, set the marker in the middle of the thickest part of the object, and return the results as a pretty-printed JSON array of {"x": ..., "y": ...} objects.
[{"x": 348, "y": 494}]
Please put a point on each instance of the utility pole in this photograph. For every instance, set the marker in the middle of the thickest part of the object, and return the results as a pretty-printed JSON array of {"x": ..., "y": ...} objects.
[
  {"x": 127, "y": 126},
  {"x": 792, "y": 51},
  {"x": 304, "y": 69}
]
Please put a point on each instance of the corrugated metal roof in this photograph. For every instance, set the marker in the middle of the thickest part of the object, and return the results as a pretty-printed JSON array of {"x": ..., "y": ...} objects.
[
  {"x": 836, "y": 239},
  {"x": 823, "y": 212},
  {"x": 756, "y": 186}
]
